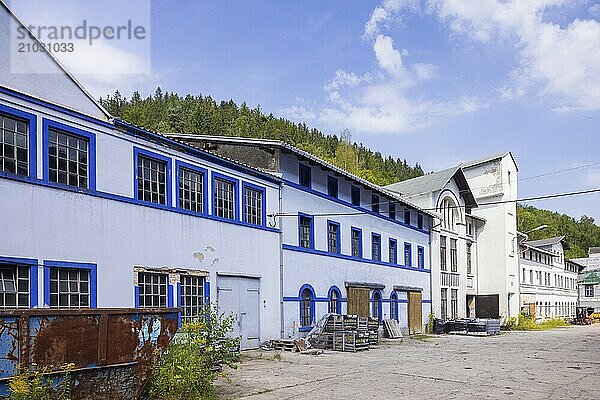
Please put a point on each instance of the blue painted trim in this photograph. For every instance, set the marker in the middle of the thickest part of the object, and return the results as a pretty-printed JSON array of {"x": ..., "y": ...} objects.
[
  {"x": 236, "y": 195},
  {"x": 206, "y": 291},
  {"x": 194, "y": 168},
  {"x": 312, "y": 305},
  {"x": 170, "y": 296},
  {"x": 360, "y": 242},
  {"x": 395, "y": 242},
  {"x": 33, "y": 275},
  {"x": 308, "y": 170},
  {"x": 333, "y": 181},
  {"x": 378, "y": 303},
  {"x": 426, "y": 301},
  {"x": 178, "y": 302},
  {"x": 350, "y": 258},
  {"x": 420, "y": 257},
  {"x": 408, "y": 246},
  {"x": 69, "y": 264},
  {"x": 350, "y": 205},
  {"x": 338, "y": 249},
  {"x": 312, "y": 231},
  {"x": 168, "y": 174},
  {"x": 261, "y": 189},
  {"x": 355, "y": 191},
  {"x": 115, "y": 197},
  {"x": 136, "y": 296},
  {"x": 375, "y": 206},
  {"x": 334, "y": 288},
  {"x": 378, "y": 237},
  {"x": 31, "y": 120},
  {"x": 89, "y": 137},
  {"x": 394, "y": 305}
]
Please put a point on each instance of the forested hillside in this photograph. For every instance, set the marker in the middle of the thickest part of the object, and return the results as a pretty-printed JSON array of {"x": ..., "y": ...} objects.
[{"x": 169, "y": 112}]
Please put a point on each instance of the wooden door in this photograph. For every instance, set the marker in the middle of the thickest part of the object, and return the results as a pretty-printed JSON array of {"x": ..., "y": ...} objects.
[
  {"x": 358, "y": 301},
  {"x": 415, "y": 312}
]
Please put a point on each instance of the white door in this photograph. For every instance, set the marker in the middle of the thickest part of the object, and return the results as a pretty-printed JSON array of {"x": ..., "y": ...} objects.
[{"x": 240, "y": 297}]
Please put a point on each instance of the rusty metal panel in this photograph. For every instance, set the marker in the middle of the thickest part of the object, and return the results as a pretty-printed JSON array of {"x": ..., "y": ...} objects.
[{"x": 9, "y": 345}]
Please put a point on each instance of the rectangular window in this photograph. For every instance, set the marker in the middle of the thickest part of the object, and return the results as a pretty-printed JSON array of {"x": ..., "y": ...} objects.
[
  {"x": 443, "y": 262},
  {"x": 69, "y": 287},
  {"x": 444, "y": 303},
  {"x": 332, "y": 186},
  {"x": 408, "y": 254},
  {"x": 469, "y": 267},
  {"x": 355, "y": 196},
  {"x": 306, "y": 229},
  {"x": 393, "y": 252},
  {"x": 333, "y": 237},
  {"x": 192, "y": 297},
  {"x": 421, "y": 257},
  {"x": 392, "y": 210},
  {"x": 407, "y": 217},
  {"x": 224, "y": 198},
  {"x": 152, "y": 180},
  {"x": 453, "y": 256},
  {"x": 153, "y": 289},
  {"x": 420, "y": 221},
  {"x": 375, "y": 203},
  {"x": 14, "y": 286},
  {"x": 454, "y": 303},
  {"x": 191, "y": 190},
  {"x": 304, "y": 176},
  {"x": 14, "y": 145},
  {"x": 375, "y": 247},
  {"x": 356, "y": 243},
  {"x": 589, "y": 291},
  {"x": 68, "y": 159},
  {"x": 253, "y": 205}
]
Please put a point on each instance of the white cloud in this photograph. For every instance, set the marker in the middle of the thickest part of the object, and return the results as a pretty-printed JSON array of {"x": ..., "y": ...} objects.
[
  {"x": 343, "y": 78},
  {"x": 385, "y": 13},
  {"x": 298, "y": 112}
]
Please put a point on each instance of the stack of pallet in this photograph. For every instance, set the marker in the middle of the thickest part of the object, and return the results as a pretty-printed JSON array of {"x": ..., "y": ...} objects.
[
  {"x": 373, "y": 332},
  {"x": 346, "y": 333}
]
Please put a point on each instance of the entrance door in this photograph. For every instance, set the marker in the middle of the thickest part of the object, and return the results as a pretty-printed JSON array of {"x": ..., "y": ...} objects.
[
  {"x": 358, "y": 301},
  {"x": 240, "y": 297},
  {"x": 415, "y": 312}
]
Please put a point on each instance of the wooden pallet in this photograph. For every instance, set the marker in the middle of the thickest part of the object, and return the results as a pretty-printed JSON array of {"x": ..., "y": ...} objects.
[{"x": 392, "y": 329}]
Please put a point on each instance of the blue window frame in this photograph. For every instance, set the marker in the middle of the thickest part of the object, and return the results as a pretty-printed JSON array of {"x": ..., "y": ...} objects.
[
  {"x": 332, "y": 186},
  {"x": 335, "y": 300},
  {"x": 375, "y": 203},
  {"x": 254, "y": 204},
  {"x": 306, "y": 295},
  {"x": 407, "y": 217},
  {"x": 304, "y": 176},
  {"x": 420, "y": 257},
  {"x": 356, "y": 244},
  {"x": 64, "y": 163},
  {"x": 76, "y": 284},
  {"x": 377, "y": 305},
  {"x": 375, "y": 247},
  {"x": 192, "y": 187},
  {"x": 146, "y": 184},
  {"x": 392, "y": 209},
  {"x": 334, "y": 237},
  {"x": 225, "y": 197},
  {"x": 306, "y": 231},
  {"x": 393, "y": 251},
  {"x": 31, "y": 142},
  {"x": 394, "y": 306},
  {"x": 355, "y": 194},
  {"x": 407, "y": 254},
  {"x": 420, "y": 221},
  {"x": 32, "y": 265}
]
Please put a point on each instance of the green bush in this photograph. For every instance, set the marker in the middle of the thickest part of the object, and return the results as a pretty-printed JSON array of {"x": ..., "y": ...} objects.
[
  {"x": 37, "y": 383},
  {"x": 191, "y": 364},
  {"x": 527, "y": 323}
]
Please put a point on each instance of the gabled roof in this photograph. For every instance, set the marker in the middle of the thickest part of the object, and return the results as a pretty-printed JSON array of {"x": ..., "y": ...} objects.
[
  {"x": 301, "y": 153},
  {"x": 591, "y": 278},
  {"x": 434, "y": 182},
  {"x": 548, "y": 242},
  {"x": 493, "y": 157}
]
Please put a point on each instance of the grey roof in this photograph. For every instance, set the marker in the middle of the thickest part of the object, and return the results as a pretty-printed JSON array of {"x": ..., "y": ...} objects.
[
  {"x": 493, "y": 157},
  {"x": 433, "y": 182},
  {"x": 546, "y": 242},
  {"x": 299, "y": 152}
]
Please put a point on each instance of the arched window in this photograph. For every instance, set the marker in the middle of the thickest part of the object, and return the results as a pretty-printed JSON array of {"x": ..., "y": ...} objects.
[
  {"x": 334, "y": 301},
  {"x": 394, "y": 306},
  {"x": 450, "y": 214},
  {"x": 306, "y": 307},
  {"x": 376, "y": 312}
]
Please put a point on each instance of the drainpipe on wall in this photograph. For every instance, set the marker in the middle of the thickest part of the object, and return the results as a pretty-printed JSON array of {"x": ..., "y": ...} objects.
[{"x": 281, "y": 310}]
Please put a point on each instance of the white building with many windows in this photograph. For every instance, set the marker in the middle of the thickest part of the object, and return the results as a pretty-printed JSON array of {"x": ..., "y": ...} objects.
[{"x": 589, "y": 279}]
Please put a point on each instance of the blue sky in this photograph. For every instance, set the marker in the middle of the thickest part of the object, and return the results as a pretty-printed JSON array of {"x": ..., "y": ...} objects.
[{"x": 436, "y": 82}]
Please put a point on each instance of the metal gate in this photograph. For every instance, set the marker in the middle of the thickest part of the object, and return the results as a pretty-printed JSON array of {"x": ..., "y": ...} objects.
[
  {"x": 240, "y": 296},
  {"x": 415, "y": 312},
  {"x": 358, "y": 301}
]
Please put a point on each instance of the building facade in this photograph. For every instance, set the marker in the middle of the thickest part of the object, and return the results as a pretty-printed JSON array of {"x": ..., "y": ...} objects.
[{"x": 589, "y": 280}]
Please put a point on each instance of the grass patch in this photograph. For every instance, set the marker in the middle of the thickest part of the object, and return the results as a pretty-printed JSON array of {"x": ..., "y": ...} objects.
[{"x": 527, "y": 323}]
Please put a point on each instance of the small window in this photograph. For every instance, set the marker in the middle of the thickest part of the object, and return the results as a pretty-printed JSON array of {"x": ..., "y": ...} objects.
[
  {"x": 14, "y": 286},
  {"x": 253, "y": 205},
  {"x": 14, "y": 145},
  {"x": 68, "y": 159},
  {"x": 420, "y": 221},
  {"x": 453, "y": 256},
  {"x": 69, "y": 287},
  {"x": 421, "y": 257},
  {"x": 333, "y": 237},
  {"x": 444, "y": 304},
  {"x": 332, "y": 186},
  {"x": 152, "y": 180},
  {"x": 392, "y": 210},
  {"x": 469, "y": 258},
  {"x": 306, "y": 228},
  {"x": 376, "y": 309},
  {"x": 191, "y": 297},
  {"x": 224, "y": 198},
  {"x": 306, "y": 307},
  {"x": 304, "y": 176},
  {"x": 334, "y": 301},
  {"x": 407, "y": 217},
  {"x": 393, "y": 256},
  {"x": 394, "y": 306},
  {"x": 376, "y": 247},
  {"x": 454, "y": 303},
  {"x": 356, "y": 243},
  {"x": 375, "y": 203},
  {"x": 589, "y": 291},
  {"x": 408, "y": 254},
  {"x": 152, "y": 290},
  {"x": 355, "y": 196},
  {"x": 443, "y": 262},
  {"x": 191, "y": 190}
]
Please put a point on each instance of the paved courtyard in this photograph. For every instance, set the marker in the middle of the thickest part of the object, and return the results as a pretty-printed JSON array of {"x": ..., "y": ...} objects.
[{"x": 562, "y": 363}]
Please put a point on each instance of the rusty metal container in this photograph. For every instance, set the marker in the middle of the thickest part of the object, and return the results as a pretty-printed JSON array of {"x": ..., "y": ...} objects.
[{"x": 112, "y": 349}]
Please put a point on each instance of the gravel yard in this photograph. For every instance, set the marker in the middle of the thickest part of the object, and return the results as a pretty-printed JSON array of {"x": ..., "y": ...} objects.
[{"x": 562, "y": 363}]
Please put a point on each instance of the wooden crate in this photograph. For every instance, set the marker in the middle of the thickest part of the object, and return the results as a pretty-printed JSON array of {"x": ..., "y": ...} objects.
[{"x": 350, "y": 341}]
